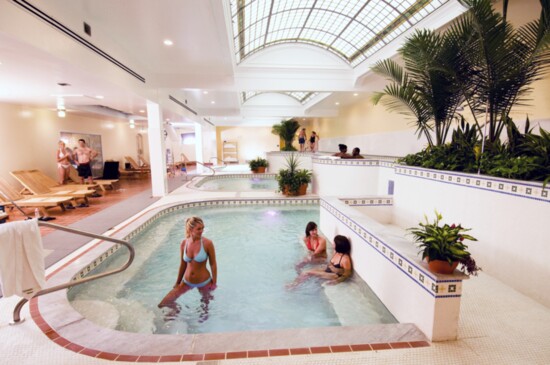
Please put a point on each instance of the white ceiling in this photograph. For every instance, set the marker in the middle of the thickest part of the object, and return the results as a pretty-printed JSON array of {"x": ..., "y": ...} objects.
[{"x": 199, "y": 69}]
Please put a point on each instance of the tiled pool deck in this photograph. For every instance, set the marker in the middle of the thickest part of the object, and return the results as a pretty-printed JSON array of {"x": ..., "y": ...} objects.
[{"x": 497, "y": 325}]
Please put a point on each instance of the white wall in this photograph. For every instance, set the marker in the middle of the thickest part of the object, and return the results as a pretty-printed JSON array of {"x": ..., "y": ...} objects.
[
  {"x": 397, "y": 143},
  {"x": 278, "y": 160},
  {"x": 508, "y": 217},
  {"x": 29, "y": 136},
  {"x": 252, "y": 141}
]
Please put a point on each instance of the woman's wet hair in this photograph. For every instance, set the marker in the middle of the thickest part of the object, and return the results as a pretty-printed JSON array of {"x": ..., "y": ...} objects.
[
  {"x": 81, "y": 140},
  {"x": 310, "y": 227},
  {"x": 191, "y": 223},
  {"x": 342, "y": 244}
]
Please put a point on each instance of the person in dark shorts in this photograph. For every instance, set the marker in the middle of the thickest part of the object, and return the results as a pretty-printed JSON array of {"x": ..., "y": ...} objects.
[{"x": 84, "y": 157}]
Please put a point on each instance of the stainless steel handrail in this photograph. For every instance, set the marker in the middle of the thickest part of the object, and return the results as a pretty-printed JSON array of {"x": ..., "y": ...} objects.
[
  {"x": 132, "y": 252},
  {"x": 208, "y": 167}
]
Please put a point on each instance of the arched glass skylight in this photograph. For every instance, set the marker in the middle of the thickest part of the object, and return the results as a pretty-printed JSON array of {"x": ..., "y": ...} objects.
[
  {"x": 352, "y": 29},
  {"x": 301, "y": 96}
]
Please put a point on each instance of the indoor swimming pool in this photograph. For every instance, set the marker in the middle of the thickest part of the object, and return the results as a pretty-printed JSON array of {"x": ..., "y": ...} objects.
[
  {"x": 243, "y": 182},
  {"x": 257, "y": 249}
]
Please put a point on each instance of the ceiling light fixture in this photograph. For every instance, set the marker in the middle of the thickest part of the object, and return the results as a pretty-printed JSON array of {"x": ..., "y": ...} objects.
[
  {"x": 99, "y": 96},
  {"x": 61, "y": 112},
  {"x": 212, "y": 102},
  {"x": 132, "y": 126},
  {"x": 205, "y": 92},
  {"x": 355, "y": 94},
  {"x": 168, "y": 42},
  {"x": 142, "y": 111},
  {"x": 337, "y": 103}
]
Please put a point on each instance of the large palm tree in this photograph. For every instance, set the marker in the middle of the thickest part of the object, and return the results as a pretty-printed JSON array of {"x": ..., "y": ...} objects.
[
  {"x": 494, "y": 64},
  {"x": 425, "y": 87}
]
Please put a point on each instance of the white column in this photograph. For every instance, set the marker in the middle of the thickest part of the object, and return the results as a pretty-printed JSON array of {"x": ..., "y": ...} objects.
[
  {"x": 157, "y": 151},
  {"x": 198, "y": 147}
]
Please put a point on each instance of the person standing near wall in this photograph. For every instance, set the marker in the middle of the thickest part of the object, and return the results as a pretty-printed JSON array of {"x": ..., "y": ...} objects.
[
  {"x": 63, "y": 157},
  {"x": 85, "y": 155},
  {"x": 302, "y": 139},
  {"x": 313, "y": 142}
]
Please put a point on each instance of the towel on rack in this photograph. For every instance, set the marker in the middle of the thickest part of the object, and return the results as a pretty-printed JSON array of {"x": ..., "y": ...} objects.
[{"x": 21, "y": 259}]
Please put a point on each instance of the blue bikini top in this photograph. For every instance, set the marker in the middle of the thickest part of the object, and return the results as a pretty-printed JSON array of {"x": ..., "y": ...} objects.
[{"x": 200, "y": 257}]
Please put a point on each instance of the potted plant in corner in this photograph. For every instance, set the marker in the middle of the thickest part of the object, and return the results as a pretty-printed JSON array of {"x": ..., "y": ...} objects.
[
  {"x": 286, "y": 130},
  {"x": 443, "y": 246},
  {"x": 292, "y": 181},
  {"x": 258, "y": 165}
]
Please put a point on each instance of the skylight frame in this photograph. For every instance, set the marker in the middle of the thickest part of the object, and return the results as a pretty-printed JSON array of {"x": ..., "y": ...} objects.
[{"x": 353, "y": 30}]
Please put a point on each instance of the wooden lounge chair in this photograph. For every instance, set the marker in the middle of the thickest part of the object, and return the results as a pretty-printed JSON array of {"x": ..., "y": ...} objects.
[
  {"x": 36, "y": 187},
  {"x": 43, "y": 179},
  {"x": 103, "y": 184},
  {"x": 135, "y": 165},
  {"x": 7, "y": 193}
]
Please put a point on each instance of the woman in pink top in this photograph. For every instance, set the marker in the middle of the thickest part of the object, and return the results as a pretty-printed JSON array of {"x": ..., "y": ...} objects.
[{"x": 316, "y": 245}]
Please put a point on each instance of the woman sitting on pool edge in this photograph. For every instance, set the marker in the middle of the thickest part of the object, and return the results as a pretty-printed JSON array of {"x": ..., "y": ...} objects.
[
  {"x": 315, "y": 244},
  {"x": 195, "y": 250},
  {"x": 339, "y": 268}
]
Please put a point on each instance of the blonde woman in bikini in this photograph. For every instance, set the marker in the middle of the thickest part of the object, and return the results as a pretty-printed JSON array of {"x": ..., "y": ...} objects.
[
  {"x": 63, "y": 156},
  {"x": 195, "y": 252}
]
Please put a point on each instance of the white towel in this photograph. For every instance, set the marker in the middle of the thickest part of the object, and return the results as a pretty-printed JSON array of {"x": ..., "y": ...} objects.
[{"x": 21, "y": 259}]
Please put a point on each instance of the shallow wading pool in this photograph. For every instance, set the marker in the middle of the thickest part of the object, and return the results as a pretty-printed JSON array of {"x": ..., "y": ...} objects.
[
  {"x": 257, "y": 249},
  {"x": 237, "y": 182}
]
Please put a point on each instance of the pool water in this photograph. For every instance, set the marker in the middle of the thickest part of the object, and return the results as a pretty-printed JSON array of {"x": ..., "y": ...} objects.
[
  {"x": 245, "y": 183},
  {"x": 257, "y": 249}
]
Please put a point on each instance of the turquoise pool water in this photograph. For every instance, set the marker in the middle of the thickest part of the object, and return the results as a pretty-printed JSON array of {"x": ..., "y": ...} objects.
[
  {"x": 257, "y": 249},
  {"x": 244, "y": 183}
]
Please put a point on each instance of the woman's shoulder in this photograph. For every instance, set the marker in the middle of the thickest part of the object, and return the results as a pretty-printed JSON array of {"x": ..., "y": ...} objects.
[{"x": 207, "y": 241}]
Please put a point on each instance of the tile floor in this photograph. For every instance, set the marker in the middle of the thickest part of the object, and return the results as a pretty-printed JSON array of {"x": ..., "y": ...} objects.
[{"x": 498, "y": 325}]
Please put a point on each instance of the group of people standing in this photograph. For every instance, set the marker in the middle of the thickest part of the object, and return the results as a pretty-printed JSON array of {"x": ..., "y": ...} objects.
[
  {"x": 313, "y": 141},
  {"x": 196, "y": 251},
  {"x": 80, "y": 156}
]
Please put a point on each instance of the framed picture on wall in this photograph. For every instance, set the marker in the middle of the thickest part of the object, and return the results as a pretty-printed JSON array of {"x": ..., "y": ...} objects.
[{"x": 93, "y": 141}]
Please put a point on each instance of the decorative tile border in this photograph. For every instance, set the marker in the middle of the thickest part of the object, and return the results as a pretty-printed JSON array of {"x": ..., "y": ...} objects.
[
  {"x": 354, "y": 162},
  {"x": 529, "y": 190},
  {"x": 199, "y": 182},
  {"x": 368, "y": 202},
  {"x": 426, "y": 280},
  {"x": 206, "y": 203}
]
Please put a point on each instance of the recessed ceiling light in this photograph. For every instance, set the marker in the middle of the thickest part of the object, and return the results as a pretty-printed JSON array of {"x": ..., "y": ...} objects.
[
  {"x": 0, "y": 63},
  {"x": 167, "y": 119},
  {"x": 205, "y": 92},
  {"x": 212, "y": 102},
  {"x": 61, "y": 113},
  {"x": 168, "y": 42},
  {"x": 355, "y": 94},
  {"x": 142, "y": 111},
  {"x": 99, "y": 96},
  {"x": 337, "y": 103}
]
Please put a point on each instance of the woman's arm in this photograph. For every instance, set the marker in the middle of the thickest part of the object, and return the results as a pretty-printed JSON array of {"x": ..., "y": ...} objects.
[
  {"x": 183, "y": 266},
  {"x": 212, "y": 259},
  {"x": 321, "y": 247}
]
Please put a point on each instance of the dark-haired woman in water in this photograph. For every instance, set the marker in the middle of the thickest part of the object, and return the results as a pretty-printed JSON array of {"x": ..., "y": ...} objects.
[{"x": 339, "y": 268}]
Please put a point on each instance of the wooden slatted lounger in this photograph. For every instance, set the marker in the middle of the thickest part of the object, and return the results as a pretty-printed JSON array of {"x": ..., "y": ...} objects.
[
  {"x": 37, "y": 188},
  {"x": 102, "y": 183},
  {"x": 136, "y": 166},
  {"x": 40, "y": 202},
  {"x": 53, "y": 185}
]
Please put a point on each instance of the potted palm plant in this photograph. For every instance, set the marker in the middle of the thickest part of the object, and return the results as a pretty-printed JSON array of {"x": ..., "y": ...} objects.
[
  {"x": 286, "y": 130},
  {"x": 258, "y": 165},
  {"x": 293, "y": 181},
  {"x": 443, "y": 246}
]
